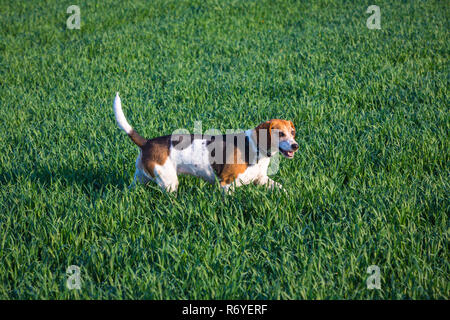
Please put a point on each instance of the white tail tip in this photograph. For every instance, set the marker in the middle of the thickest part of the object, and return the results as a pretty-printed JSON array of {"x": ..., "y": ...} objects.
[{"x": 120, "y": 117}]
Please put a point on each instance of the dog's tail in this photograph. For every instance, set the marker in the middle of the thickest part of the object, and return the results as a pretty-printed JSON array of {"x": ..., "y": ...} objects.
[{"x": 124, "y": 125}]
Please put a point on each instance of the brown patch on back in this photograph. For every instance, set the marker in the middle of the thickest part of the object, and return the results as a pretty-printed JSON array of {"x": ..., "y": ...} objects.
[{"x": 155, "y": 151}]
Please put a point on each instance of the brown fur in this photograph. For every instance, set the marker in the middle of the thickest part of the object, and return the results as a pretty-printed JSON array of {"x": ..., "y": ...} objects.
[
  {"x": 155, "y": 151},
  {"x": 234, "y": 165},
  {"x": 236, "y": 162},
  {"x": 137, "y": 139},
  {"x": 267, "y": 126}
]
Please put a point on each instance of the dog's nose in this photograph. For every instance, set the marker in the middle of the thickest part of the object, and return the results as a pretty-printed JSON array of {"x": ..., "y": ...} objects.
[{"x": 294, "y": 147}]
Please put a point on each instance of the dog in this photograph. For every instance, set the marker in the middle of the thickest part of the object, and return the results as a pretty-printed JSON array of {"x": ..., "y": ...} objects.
[{"x": 232, "y": 159}]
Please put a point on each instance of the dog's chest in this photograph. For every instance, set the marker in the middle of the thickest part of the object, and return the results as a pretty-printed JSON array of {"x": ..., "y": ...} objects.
[{"x": 254, "y": 172}]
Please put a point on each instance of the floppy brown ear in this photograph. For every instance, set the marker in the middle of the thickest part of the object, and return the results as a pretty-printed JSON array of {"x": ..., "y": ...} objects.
[{"x": 267, "y": 126}]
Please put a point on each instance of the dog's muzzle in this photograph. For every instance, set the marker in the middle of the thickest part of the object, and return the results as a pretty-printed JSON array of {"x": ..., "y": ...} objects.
[{"x": 289, "y": 153}]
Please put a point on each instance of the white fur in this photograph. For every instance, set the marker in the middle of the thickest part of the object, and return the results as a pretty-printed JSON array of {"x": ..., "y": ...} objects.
[
  {"x": 166, "y": 176},
  {"x": 193, "y": 160},
  {"x": 254, "y": 173},
  {"x": 120, "y": 117}
]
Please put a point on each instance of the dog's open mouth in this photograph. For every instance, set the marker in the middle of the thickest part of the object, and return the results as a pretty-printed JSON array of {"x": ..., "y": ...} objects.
[{"x": 287, "y": 154}]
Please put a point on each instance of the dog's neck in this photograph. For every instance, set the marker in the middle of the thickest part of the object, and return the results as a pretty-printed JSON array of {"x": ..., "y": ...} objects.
[{"x": 261, "y": 153}]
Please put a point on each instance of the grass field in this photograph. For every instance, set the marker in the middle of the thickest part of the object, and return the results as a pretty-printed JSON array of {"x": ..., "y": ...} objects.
[{"x": 369, "y": 186}]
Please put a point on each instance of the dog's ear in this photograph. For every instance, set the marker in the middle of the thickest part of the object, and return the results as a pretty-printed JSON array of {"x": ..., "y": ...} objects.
[
  {"x": 264, "y": 135},
  {"x": 292, "y": 124},
  {"x": 266, "y": 126}
]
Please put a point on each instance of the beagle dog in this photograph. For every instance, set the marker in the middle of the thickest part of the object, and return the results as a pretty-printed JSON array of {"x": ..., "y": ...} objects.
[{"x": 234, "y": 159}]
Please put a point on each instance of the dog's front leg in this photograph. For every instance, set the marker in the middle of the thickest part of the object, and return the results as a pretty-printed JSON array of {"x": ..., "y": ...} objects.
[
  {"x": 229, "y": 188},
  {"x": 274, "y": 185},
  {"x": 270, "y": 183}
]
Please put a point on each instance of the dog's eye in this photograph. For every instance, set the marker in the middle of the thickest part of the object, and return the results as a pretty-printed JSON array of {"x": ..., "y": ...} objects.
[
  {"x": 293, "y": 133},
  {"x": 282, "y": 134}
]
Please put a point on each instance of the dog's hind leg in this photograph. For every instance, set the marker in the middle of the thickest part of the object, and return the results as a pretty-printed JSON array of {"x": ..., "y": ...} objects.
[
  {"x": 166, "y": 176},
  {"x": 140, "y": 176},
  {"x": 133, "y": 184}
]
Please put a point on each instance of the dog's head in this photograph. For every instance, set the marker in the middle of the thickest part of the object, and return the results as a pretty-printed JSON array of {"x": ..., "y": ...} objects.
[{"x": 278, "y": 135}]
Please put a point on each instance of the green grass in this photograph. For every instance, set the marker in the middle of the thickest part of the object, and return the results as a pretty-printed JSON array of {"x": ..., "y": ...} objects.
[{"x": 370, "y": 184}]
